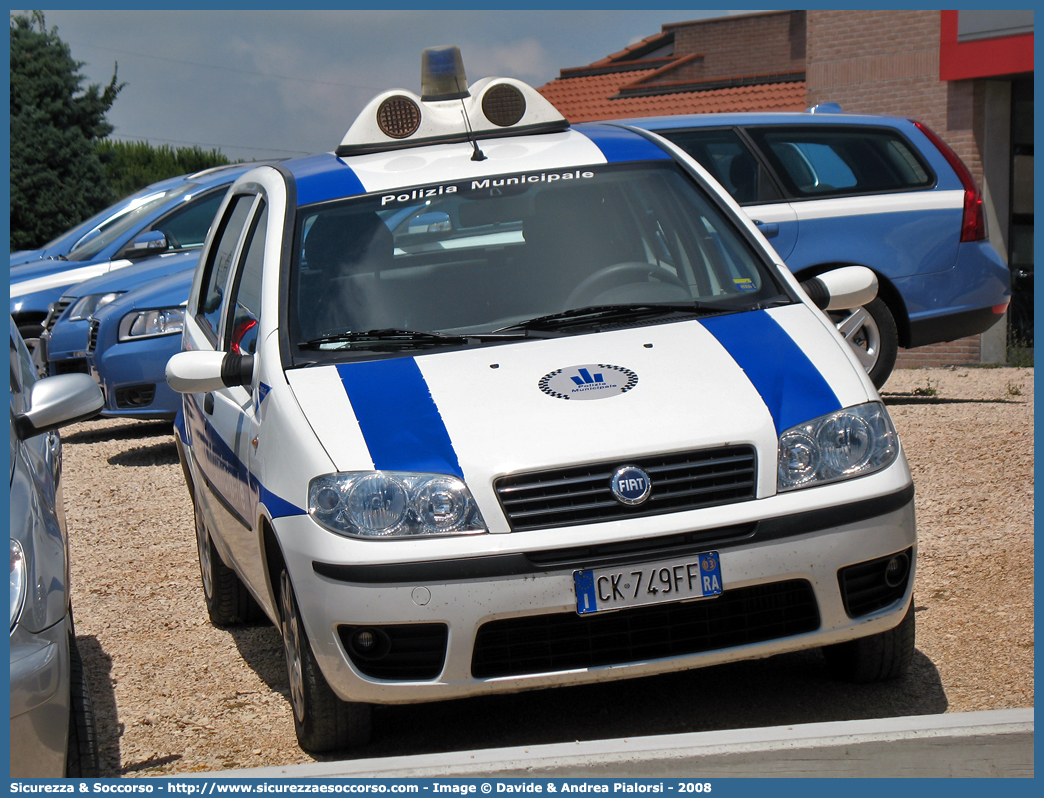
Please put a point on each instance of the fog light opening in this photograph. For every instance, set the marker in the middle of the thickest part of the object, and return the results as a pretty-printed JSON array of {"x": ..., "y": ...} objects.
[
  {"x": 365, "y": 641},
  {"x": 896, "y": 570},
  {"x": 369, "y": 643}
]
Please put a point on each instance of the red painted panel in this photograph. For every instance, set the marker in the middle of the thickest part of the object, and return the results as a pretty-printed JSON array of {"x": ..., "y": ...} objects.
[{"x": 981, "y": 58}]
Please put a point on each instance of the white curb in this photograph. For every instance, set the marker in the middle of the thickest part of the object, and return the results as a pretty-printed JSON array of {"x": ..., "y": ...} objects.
[{"x": 967, "y": 745}]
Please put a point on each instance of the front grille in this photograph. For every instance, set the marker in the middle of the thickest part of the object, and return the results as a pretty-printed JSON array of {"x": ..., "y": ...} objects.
[
  {"x": 71, "y": 365},
  {"x": 54, "y": 310},
  {"x": 865, "y": 586},
  {"x": 581, "y": 495},
  {"x": 92, "y": 336},
  {"x": 546, "y": 643},
  {"x": 133, "y": 396},
  {"x": 400, "y": 652}
]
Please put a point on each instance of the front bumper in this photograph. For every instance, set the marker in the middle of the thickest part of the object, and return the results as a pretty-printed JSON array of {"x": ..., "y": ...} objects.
[
  {"x": 67, "y": 346},
  {"x": 39, "y": 701},
  {"x": 133, "y": 379},
  {"x": 461, "y": 596}
]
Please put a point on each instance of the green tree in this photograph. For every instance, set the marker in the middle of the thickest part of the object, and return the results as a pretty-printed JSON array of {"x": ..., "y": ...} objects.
[
  {"x": 130, "y": 166},
  {"x": 57, "y": 179}
]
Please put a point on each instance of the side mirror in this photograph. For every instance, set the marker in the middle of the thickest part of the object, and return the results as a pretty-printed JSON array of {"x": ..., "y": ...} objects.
[
  {"x": 201, "y": 372},
  {"x": 842, "y": 289},
  {"x": 58, "y": 401},
  {"x": 151, "y": 242}
]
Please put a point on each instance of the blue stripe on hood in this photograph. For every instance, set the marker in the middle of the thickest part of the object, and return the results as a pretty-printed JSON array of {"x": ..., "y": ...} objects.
[
  {"x": 790, "y": 385},
  {"x": 398, "y": 417}
]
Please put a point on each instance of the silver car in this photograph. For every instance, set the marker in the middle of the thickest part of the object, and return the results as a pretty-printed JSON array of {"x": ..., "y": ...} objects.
[{"x": 52, "y": 721}]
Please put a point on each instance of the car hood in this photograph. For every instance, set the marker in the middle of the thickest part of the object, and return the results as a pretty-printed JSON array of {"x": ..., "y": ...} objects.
[
  {"x": 170, "y": 290},
  {"x": 27, "y": 255},
  {"x": 50, "y": 275},
  {"x": 130, "y": 277},
  {"x": 482, "y": 413}
]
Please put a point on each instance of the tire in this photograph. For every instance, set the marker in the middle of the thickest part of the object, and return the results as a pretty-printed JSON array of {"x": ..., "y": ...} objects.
[
  {"x": 876, "y": 658},
  {"x": 323, "y": 721},
  {"x": 229, "y": 603},
  {"x": 30, "y": 331},
  {"x": 82, "y": 760},
  {"x": 871, "y": 332}
]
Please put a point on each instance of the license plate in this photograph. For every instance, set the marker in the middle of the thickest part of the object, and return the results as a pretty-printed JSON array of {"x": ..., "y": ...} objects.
[{"x": 624, "y": 586}]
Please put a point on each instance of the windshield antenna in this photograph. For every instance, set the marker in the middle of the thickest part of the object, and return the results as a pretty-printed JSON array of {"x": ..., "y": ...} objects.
[{"x": 477, "y": 155}]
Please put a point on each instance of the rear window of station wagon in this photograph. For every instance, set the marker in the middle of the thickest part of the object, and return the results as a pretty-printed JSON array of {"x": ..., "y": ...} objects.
[{"x": 807, "y": 162}]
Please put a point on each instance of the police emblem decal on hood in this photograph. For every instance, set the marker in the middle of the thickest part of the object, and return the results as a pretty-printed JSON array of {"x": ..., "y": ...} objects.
[{"x": 591, "y": 381}]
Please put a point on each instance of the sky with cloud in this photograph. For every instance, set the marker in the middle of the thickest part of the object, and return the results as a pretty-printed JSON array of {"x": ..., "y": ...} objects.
[{"x": 275, "y": 83}]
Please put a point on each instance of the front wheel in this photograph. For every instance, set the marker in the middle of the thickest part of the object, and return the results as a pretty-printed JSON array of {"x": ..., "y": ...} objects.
[
  {"x": 228, "y": 600},
  {"x": 882, "y": 656},
  {"x": 871, "y": 332},
  {"x": 323, "y": 721}
]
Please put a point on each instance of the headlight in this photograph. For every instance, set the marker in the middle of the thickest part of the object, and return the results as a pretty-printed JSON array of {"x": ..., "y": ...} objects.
[
  {"x": 86, "y": 305},
  {"x": 849, "y": 443},
  {"x": 393, "y": 504},
  {"x": 152, "y": 323},
  {"x": 17, "y": 580}
]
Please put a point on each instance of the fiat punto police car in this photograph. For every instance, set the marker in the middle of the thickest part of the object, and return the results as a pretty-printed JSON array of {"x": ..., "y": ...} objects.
[{"x": 484, "y": 402}]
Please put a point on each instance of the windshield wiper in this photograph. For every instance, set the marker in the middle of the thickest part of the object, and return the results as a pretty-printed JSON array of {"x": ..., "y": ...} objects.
[
  {"x": 598, "y": 313},
  {"x": 391, "y": 337}
]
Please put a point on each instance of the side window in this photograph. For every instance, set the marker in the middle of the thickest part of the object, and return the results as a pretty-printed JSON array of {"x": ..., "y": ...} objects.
[
  {"x": 827, "y": 166},
  {"x": 219, "y": 263},
  {"x": 241, "y": 335},
  {"x": 724, "y": 154},
  {"x": 187, "y": 227},
  {"x": 825, "y": 160}
]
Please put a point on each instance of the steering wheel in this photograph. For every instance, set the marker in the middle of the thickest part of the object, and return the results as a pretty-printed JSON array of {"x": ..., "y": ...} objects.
[
  {"x": 617, "y": 275},
  {"x": 172, "y": 242}
]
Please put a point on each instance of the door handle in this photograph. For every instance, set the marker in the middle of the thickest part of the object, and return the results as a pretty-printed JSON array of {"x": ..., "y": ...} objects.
[
  {"x": 208, "y": 404},
  {"x": 768, "y": 229}
]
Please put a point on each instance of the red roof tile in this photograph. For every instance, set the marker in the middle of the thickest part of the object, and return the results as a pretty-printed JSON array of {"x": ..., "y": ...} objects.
[{"x": 588, "y": 98}]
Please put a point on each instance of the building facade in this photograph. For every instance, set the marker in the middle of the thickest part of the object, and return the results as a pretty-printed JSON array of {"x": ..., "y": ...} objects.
[{"x": 966, "y": 74}]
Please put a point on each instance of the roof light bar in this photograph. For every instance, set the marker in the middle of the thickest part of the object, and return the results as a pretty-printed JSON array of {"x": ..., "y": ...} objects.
[{"x": 449, "y": 111}]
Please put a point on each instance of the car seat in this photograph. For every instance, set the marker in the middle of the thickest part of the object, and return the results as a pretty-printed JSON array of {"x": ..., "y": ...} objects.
[{"x": 344, "y": 255}]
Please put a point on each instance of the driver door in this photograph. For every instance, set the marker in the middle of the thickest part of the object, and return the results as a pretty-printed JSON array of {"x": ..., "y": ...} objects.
[{"x": 222, "y": 424}]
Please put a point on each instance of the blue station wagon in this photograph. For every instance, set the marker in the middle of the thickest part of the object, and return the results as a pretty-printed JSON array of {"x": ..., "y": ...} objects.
[{"x": 830, "y": 189}]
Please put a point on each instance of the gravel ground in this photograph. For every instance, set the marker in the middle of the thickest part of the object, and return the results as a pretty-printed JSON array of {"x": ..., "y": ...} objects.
[{"x": 174, "y": 695}]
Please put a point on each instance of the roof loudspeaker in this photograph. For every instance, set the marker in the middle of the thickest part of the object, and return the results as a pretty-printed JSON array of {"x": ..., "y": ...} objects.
[
  {"x": 398, "y": 117},
  {"x": 503, "y": 105}
]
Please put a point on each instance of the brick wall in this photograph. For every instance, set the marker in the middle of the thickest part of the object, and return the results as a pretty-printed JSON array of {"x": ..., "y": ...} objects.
[
  {"x": 887, "y": 62},
  {"x": 743, "y": 45}
]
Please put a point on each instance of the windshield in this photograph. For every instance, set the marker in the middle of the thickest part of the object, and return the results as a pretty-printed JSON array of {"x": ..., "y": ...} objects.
[
  {"x": 486, "y": 255},
  {"x": 112, "y": 229}
]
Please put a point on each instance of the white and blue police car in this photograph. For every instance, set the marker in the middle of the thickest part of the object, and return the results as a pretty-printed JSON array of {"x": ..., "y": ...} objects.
[{"x": 484, "y": 402}]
